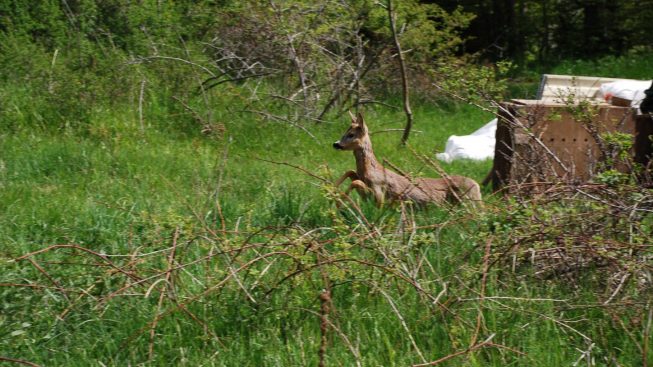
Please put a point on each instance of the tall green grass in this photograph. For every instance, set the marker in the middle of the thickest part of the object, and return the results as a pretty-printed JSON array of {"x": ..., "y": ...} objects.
[
  {"x": 115, "y": 188},
  {"x": 56, "y": 184},
  {"x": 636, "y": 64}
]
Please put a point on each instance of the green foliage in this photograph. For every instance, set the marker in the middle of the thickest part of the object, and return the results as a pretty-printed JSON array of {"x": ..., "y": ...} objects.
[
  {"x": 41, "y": 21},
  {"x": 429, "y": 32},
  {"x": 612, "y": 177},
  {"x": 478, "y": 84},
  {"x": 619, "y": 143}
]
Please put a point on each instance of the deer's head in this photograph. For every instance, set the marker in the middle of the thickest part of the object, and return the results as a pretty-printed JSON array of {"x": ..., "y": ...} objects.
[{"x": 355, "y": 136}]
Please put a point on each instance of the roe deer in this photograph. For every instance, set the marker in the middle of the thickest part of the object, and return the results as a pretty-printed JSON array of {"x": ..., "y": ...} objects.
[{"x": 372, "y": 178}]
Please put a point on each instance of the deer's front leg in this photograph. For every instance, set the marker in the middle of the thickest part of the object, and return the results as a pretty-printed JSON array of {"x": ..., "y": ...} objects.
[
  {"x": 365, "y": 191},
  {"x": 349, "y": 174},
  {"x": 360, "y": 187}
]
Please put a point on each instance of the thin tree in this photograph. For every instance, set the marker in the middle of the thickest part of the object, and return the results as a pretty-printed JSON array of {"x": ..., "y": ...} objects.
[{"x": 404, "y": 77}]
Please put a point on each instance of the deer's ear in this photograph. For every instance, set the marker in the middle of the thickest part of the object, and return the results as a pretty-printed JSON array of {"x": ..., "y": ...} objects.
[
  {"x": 354, "y": 120},
  {"x": 360, "y": 119}
]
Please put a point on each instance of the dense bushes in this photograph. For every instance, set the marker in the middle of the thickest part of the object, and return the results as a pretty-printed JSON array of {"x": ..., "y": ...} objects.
[{"x": 312, "y": 57}]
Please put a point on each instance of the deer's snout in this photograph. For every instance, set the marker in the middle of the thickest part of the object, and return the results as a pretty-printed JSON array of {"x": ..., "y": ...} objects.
[{"x": 337, "y": 145}]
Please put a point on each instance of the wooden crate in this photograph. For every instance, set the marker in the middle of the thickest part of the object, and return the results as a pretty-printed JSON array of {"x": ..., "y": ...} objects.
[{"x": 543, "y": 141}]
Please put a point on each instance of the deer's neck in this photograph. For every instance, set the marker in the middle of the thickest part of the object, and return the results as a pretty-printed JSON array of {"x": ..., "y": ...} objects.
[{"x": 366, "y": 162}]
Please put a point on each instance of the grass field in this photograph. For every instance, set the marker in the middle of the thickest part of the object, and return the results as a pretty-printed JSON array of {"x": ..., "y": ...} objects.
[
  {"x": 213, "y": 250},
  {"x": 115, "y": 189}
]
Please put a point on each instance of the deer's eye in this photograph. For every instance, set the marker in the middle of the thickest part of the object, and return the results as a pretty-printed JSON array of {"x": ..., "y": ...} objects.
[{"x": 350, "y": 135}]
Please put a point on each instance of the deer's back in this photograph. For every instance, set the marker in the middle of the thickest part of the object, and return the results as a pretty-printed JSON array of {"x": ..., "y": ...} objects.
[
  {"x": 455, "y": 187},
  {"x": 423, "y": 190}
]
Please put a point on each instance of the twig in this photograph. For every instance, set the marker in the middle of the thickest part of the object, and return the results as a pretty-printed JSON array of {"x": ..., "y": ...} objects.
[
  {"x": 392, "y": 130},
  {"x": 486, "y": 343},
  {"x": 50, "y": 278},
  {"x": 354, "y": 351},
  {"x": 283, "y": 119},
  {"x": 192, "y": 111},
  {"x": 208, "y": 86},
  {"x": 486, "y": 267},
  {"x": 622, "y": 282},
  {"x": 162, "y": 294},
  {"x": 647, "y": 334},
  {"x": 402, "y": 321},
  {"x": 294, "y": 56},
  {"x": 325, "y": 301},
  {"x": 140, "y": 105},
  {"x": 295, "y": 167},
  {"x": 73, "y": 303},
  {"x": 18, "y": 361},
  {"x": 77, "y": 247}
]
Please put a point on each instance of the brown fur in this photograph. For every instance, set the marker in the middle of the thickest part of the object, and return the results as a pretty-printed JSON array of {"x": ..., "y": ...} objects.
[{"x": 371, "y": 178}]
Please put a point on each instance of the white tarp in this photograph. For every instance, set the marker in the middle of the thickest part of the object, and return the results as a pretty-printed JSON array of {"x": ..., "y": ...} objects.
[{"x": 478, "y": 146}]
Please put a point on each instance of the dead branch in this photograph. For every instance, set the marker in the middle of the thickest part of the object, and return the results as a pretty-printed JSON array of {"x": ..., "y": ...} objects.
[
  {"x": 484, "y": 344},
  {"x": 140, "y": 60}
]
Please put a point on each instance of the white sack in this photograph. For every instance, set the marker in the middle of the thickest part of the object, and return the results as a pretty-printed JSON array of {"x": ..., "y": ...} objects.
[
  {"x": 478, "y": 146},
  {"x": 632, "y": 90}
]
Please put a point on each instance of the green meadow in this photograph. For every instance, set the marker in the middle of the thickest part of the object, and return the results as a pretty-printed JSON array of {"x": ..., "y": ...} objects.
[
  {"x": 149, "y": 220},
  {"x": 128, "y": 192}
]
